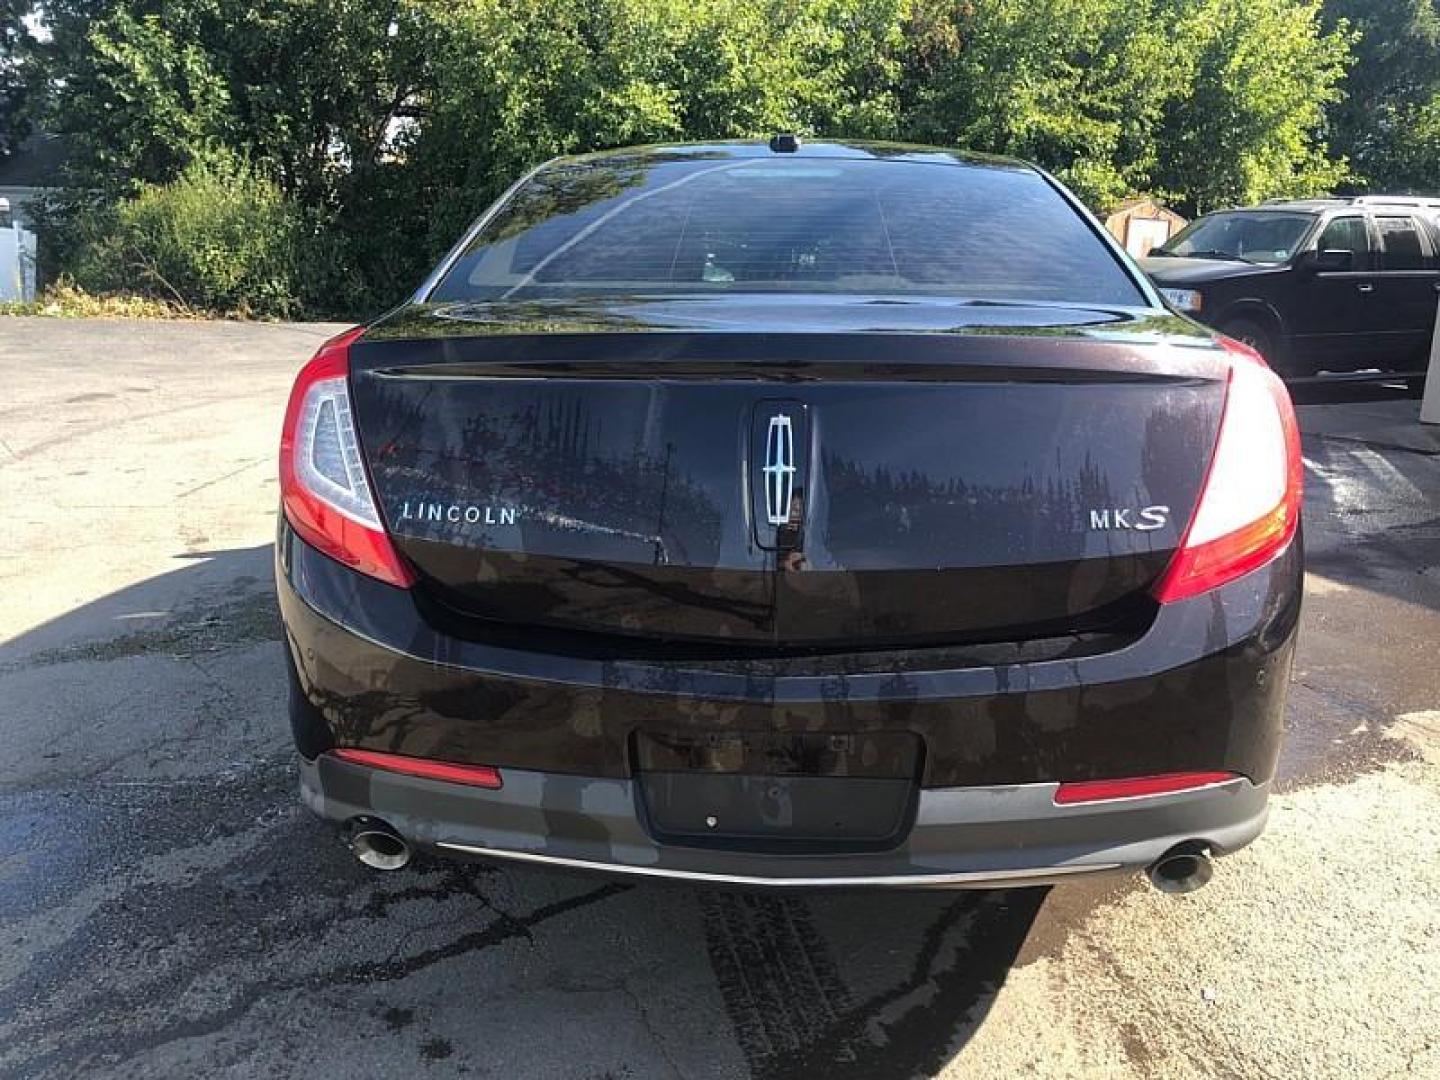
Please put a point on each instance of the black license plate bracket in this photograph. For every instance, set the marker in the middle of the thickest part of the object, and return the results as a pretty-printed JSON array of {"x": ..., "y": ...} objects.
[{"x": 782, "y": 792}]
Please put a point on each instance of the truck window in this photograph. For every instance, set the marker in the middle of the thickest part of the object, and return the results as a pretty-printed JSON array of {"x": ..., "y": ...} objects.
[
  {"x": 1347, "y": 234},
  {"x": 1402, "y": 247}
]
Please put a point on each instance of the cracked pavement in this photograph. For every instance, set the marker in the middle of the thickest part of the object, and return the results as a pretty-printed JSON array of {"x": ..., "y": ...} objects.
[{"x": 168, "y": 909}]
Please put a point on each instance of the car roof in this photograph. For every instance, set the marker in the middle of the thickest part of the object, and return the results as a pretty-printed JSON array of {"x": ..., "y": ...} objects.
[
  {"x": 1338, "y": 203},
  {"x": 1287, "y": 206},
  {"x": 749, "y": 149}
]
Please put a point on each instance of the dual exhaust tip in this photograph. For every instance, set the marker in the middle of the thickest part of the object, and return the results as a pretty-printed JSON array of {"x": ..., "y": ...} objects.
[{"x": 1183, "y": 869}]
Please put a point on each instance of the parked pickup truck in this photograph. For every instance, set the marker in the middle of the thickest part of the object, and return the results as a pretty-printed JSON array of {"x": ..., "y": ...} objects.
[{"x": 1315, "y": 284}]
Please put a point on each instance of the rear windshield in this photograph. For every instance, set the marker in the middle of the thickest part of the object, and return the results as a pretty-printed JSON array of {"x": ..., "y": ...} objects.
[{"x": 788, "y": 225}]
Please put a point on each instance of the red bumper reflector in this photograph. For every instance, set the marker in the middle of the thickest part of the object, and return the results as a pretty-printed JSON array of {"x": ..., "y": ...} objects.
[
  {"x": 486, "y": 776},
  {"x": 1087, "y": 791}
]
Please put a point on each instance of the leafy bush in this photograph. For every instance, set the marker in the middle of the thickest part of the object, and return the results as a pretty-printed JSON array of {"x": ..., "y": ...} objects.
[
  {"x": 64, "y": 300},
  {"x": 217, "y": 239}
]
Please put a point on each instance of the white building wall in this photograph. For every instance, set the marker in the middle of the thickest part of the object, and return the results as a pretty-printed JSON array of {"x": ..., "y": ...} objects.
[{"x": 17, "y": 264}]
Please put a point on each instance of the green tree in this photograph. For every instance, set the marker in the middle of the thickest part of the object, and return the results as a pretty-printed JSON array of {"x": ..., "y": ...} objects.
[
  {"x": 1206, "y": 101},
  {"x": 1257, "y": 76},
  {"x": 1386, "y": 121},
  {"x": 389, "y": 124},
  {"x": 1079, "y": 87},
  {"x": 1414, "y": 162},
  {"x": 16, "y": 73},
  {"x": 507, "y": 84},
  {"x": 304, "y": 89}
]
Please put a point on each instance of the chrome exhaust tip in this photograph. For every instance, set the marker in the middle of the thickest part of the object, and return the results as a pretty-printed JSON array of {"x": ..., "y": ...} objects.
[
  {"x": 377, "y": 845},
  {"x": 1182, "y": 869}
]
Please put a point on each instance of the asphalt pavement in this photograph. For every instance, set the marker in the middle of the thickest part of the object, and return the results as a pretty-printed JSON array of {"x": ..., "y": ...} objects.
[{"x": 168, "y": 909}]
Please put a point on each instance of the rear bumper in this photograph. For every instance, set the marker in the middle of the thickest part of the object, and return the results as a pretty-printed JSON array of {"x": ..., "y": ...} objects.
[
  {"x": 961, "y": 838},
  {"x": 1202, "y": 690}
]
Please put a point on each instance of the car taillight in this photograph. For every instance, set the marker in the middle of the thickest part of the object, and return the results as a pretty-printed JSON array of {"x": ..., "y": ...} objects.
[
  {"x": 485, "y": 776},
  {"x": 324, "y": 488},
  {"x": 1249, "y": 506},
  {"x": 1132, "y": 787}
]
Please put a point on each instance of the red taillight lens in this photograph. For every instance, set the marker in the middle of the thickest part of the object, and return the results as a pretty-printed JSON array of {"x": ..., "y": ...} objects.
[
  {"x": 486, "y": 776},
  {"x": 1249, "y": 506},
  {"x": 1088, "y": 791},
  {"x": 323, "y": 484}
]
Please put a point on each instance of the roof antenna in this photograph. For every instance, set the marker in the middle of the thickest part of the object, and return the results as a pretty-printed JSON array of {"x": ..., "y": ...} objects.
[{"x": 786, "y": 142}]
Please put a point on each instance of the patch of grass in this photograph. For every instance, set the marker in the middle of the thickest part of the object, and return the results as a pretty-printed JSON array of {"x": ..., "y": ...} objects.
[{"x": 65, "y": 300}]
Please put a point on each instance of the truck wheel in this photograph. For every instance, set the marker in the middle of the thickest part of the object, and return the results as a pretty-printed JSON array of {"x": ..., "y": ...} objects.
[{"x": 1259, "y": 338}]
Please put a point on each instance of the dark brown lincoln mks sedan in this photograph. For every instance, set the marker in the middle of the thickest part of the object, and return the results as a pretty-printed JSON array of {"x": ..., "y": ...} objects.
[{"x": 791, "y": 515}]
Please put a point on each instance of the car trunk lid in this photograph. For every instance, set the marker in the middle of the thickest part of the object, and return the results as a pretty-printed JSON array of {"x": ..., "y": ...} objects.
[{"x": 768, "y": 490}]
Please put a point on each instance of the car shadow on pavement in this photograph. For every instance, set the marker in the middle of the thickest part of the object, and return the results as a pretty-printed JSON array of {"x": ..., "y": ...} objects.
[
  {"x": 167, "y": 907},
  {"x": 879, "y": 985}
]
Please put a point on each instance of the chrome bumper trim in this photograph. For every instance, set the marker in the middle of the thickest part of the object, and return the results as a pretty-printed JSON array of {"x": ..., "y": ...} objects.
[{"x": 974, "y": 878}]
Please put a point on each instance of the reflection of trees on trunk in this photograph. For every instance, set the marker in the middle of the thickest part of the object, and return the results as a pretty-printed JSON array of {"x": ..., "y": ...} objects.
[
  {"x": 614, "y": 531},
  {"x": 1178, "y": 443},
  {"x": 602, "y": 594},
  {"x": 685, "y": 592},
  {"x": 900, "y": 508},
  {"x": 548, "y": 454},
  {"x": 559, "y": 441}
]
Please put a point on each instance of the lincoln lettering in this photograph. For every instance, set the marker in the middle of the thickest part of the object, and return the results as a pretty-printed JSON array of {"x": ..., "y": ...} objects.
[{"x": 457, "y": 513}]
